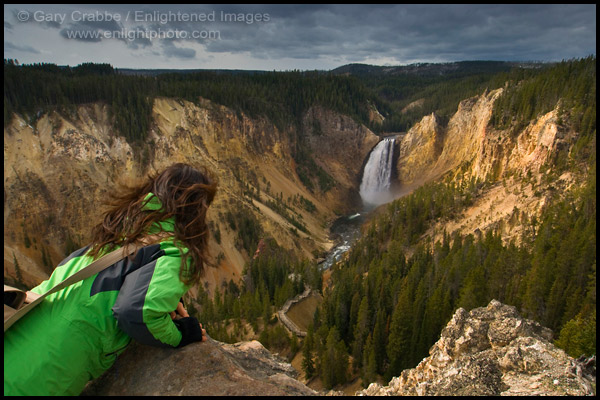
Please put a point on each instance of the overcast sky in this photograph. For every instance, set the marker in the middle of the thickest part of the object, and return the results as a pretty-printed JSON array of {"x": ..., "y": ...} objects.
[{"x": 284, "y": 37}]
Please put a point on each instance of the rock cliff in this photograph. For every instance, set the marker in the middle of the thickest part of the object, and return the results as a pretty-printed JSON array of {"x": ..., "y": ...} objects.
[
  {"x": 466, "y": 131},
  {"x": 429, "y": 150},
  {"x": 340, "y": 147},
  {"x": 493, "y": 351},
  {"x": 419, "y": 150},
  {"x": 488, "y": 351},
  {"x": 210, "y": 368},
  {"x": 512, "y": 163},
  {"x": 59, "y": 166}
]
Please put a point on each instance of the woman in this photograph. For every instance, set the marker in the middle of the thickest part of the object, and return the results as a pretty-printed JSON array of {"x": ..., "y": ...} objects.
[{"x": 75, "y": 335}]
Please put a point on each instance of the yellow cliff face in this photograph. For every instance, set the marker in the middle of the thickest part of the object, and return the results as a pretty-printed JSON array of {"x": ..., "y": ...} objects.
[
  {"x": 339, "y": 146},
  {"x": 419, "y": 149},
  {"x": 428, "y": 150},
  {"x": 466, "y": 131},
  {"x": 469, "y": 148},
  {"x": 58, "y": 169}
]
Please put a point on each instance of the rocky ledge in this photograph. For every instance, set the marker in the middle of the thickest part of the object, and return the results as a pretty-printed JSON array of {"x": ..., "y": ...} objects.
[
  {"x": 210, "y": 368},
  {"x": 488, "y": 351},
  {"x": 493, "y": 351}
]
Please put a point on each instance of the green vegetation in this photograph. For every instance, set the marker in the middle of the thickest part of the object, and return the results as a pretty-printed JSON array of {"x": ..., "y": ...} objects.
[
  {"x": 271, "y": 278},
  {"x": 247, "y": 226},
  {"x": 578, "y": 336},
  {"x": 388, "y": 309},
  {"x": 308, "y": 171},
  {"x": 282, "y": 209},
  {"x": 37, "y": 88},
  {"x": 439, "y": 88},
  {"x": 281, "y": 97},
  {"x": 572, "y": 84},
  {"x": 394, "y": 293}
]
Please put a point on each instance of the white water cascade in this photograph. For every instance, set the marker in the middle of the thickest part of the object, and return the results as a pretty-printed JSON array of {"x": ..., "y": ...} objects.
[{"x": 377, "y": 176}]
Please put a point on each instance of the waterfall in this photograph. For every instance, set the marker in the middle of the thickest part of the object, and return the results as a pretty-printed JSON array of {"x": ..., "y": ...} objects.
[{"x": 377, "y": 176}]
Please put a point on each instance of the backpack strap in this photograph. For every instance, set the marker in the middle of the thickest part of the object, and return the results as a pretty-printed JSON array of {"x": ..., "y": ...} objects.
[{"x": 92, "y": 269}]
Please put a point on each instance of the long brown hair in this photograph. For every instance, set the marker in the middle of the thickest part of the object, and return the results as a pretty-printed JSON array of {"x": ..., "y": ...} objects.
[{"x": 185, "y": 194}]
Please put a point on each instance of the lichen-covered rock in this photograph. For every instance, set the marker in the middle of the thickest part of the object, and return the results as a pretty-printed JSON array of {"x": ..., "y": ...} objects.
[
  {"x": 493, "y": 351},
  {"x": 209, "y": 368}
]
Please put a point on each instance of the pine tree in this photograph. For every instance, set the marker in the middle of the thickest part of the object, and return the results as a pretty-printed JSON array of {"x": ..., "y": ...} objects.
[
  {"x": 473, "y": 293},
  {"x": 380, "y": 341},
  {"x": 578, "y": 336},
  {"x": 334, "y": 360},
  {"x": 399, "y": 341},
  {"x": 308, "y": 365},
  {"x": 361, "y": 331},
  {"x": 369, "y": 371}
]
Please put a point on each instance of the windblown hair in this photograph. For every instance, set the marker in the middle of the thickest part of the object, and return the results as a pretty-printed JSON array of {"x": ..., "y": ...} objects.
[{"x": 185, "y": 193}]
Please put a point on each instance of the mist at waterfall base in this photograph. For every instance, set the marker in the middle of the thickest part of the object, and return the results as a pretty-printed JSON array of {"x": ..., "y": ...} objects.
[{"x": 375, "y": 187}]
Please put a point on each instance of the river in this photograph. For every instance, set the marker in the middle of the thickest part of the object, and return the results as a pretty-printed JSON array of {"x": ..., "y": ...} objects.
[
  {"x": 374, "y": 191},
  {"x": 345, "y": 231}
]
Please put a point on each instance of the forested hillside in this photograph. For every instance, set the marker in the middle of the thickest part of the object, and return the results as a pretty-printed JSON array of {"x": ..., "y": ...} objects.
[
  {"x": 386, "y": 308},
  {"x": 387, "y": 301},
  {"x": 395, "y": 292},
  {"x": 407, "y": 93},
  {"x": 270, "y": 278},
  {"x": 281, "y": 97}
]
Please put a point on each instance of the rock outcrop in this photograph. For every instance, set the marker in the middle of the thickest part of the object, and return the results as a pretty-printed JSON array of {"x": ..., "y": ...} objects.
[
  {"x": 419, "y": 149},
  {"x": 339, "y": 146},
  {"x": 210, "y": 368},
  {"x": 488, "y": 351},
  {"x": 492, "y": 351}
]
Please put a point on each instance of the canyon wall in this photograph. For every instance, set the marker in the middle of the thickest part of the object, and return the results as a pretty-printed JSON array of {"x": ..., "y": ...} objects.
[
  {"x": 468, "y": 147},
  {"x": 59, "y": 167}
]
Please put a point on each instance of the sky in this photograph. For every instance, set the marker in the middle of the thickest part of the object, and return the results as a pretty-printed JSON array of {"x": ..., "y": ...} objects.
[{"x": 286, "y": 37}]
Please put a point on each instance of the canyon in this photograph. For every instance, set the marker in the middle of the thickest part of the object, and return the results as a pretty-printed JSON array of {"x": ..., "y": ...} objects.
[
  {"x": 58, "y": 170},
  {"x": 59, "y": 166}
]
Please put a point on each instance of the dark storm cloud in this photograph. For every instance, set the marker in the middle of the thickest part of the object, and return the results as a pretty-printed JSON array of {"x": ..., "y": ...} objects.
[
  {"x": 170, "y": 50},
  {"x": 87, "y": 31},
  {"x": 348, "y": 33},
  {"x": 407, "y": 32},
  {"x": 422, "y": 32},
  {"x": 26, "y": 49}
]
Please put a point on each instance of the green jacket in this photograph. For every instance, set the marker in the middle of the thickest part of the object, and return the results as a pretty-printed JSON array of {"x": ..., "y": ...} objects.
[{"x": 75, "y": 335}]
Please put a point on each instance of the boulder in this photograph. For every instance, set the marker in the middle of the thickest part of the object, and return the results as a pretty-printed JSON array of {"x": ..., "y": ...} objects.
[
  {"x": 493, "y": 351},
  {"x": 209, "y": 368}
]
